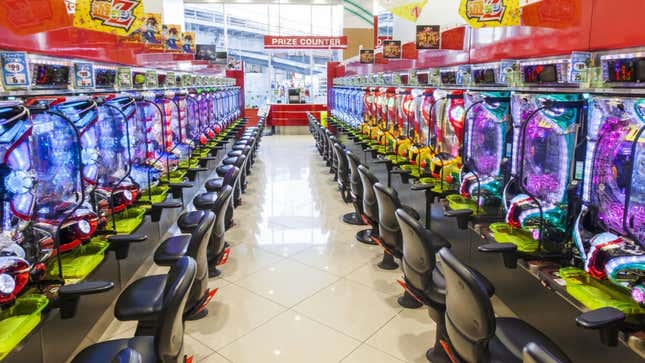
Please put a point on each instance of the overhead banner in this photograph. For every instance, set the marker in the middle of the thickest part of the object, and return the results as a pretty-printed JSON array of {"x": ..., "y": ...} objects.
[
  {"x": 304, "y": 42},
  {"x": 409, "y": 11},
  {"x": 490, "y": 13},
  {"x": 119, "y": 17}
]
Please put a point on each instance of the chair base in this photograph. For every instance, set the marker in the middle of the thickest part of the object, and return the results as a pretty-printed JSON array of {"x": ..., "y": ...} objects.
[
  {"x": 388, "y": 263},
  {"x": 407, "y": 301},
  {"x": 365, "y": 236},
  {"x": 196, "y": 316},
  {"x": 437, "y": 355},
  {"x": 353, "y": 218},
  {"x": 213, "y": 272}
]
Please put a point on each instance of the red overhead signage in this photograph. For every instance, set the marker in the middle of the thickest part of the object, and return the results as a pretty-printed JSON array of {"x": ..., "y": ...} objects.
[{"x": 304, "y": 42}]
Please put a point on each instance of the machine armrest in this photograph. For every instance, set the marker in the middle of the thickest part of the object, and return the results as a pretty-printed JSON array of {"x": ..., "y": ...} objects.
[
  {"x": 456, "y": 213},
  {"x": 421, "y": 186},
  {"x": 508, "y": 251},
  {"x": 606, "y": 320},
  {"x": 399, "y": 171},
  {"x": 381, "y": 161},
  {"x": 70, "y": 295},
  {"x": 126, "y": 238}
]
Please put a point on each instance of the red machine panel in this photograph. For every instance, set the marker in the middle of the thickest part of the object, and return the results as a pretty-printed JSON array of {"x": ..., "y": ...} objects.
[{"x": 293, "y": 115}]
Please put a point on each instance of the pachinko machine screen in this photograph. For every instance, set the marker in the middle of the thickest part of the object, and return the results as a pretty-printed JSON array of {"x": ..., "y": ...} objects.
[
  {"x": 49, "y": 75},
  {"x": 104, "y": 78},
  {"x": 542, "y": 73}
]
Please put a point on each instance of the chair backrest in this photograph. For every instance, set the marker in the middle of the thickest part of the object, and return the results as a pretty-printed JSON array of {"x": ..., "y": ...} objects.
[
  {"x": 217, "y": 235},
  {"x": 354, "y": 179},
  {"x": 198, "y": 248},
  {"x": 231, "y": 175},
  {"x": 418, "y": 260},
  {"x": 370, "y": 206},
  {"x": 388, "y": 203},
  {"x": 343, "y": 168},
  {"x": 534, "y": 353},
  {"x": 169, "y": 337},
  {"x": 240, "y": 161},
  {"x": 470, "y": 320}
]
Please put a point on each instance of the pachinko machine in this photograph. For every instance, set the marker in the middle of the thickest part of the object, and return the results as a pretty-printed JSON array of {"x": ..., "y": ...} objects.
[{"x": 488, "y": 137}]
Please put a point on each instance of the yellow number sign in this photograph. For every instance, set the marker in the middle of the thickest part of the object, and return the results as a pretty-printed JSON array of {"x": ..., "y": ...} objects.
[
  {"x": 490, "y": 13},
  {"x": 119, "y": 17}
]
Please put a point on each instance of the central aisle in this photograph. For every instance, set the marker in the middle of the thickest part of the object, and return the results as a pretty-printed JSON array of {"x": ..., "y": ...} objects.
[{"x": 298, "y": 288}]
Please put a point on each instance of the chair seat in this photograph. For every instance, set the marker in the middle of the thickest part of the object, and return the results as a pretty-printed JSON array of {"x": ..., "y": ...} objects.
[
  {"x": 239, "y": 147},
  {"x": 222, "y": 169},
  {"x": 106, "y": 351},
  {"x": 512, "y": 335},
  {"x": 234, "y": 153},
  {"x": 230, "y": 160},
  {"x": 172, "y": 249},
  {"x": 411, "y": 211},
  {"x": 205, "y": 201},
  {"x": 190, "y": 220},
  {"x": 142, "y": 299},
  {"x": 214, "y": 185}
]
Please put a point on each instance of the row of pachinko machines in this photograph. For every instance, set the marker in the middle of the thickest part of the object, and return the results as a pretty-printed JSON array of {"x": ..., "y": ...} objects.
[
  {"x": 545, "y": 170},
  {"x": 78, "y": 170}
]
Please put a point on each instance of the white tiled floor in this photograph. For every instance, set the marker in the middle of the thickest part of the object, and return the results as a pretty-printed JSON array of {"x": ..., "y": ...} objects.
[{"x": 298, "y": 287}]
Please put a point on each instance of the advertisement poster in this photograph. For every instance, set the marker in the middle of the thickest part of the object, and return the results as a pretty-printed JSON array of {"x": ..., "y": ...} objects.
[
  {"x": 171, "y": 34},
  {"x": 149, "y": 32},
  {"x": 205, "y": 52},
  {"x": 83, "y": 75},
  {"x": 109, "y": 16},
  {"x": 170, "y": 80},
  {"x": 490, "y": 13},
  {"x": 15, "y": 72},
  {"x": 428, "y": 36},
  {"x": 124, "y": 77},
  {"x": 188, "y": 42},
  {"x": 392, "y": 49},
  {"x": 151, "y": 79},
  {"x": 186, "y": 80},
  {"x": 367, "y": 56}
]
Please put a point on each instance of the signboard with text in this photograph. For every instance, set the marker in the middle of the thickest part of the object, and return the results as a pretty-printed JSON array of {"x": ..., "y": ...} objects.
[{"x": 304, "y": 42}]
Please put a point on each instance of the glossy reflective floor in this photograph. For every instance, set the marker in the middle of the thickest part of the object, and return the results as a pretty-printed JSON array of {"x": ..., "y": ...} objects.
[{"x": 298, "y": 287}]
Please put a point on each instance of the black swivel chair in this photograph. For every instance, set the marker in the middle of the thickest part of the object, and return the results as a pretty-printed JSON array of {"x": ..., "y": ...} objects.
[
  {"x": 141, "y": 300},
  {"x": 473, "y": 333},
  {"x": 356, "y": 196},
  {"x": 166, "y": 345},
  {"x": 215, "y": 185},
  {"x": 370, "y": 206},
  {"x": 342, "y": 174},
  {"x": 423, "y": 280},
  {"x": 223, "y": 169},
  {"x": 218, "y": 203},
  {"x": 389, "y": 231}
]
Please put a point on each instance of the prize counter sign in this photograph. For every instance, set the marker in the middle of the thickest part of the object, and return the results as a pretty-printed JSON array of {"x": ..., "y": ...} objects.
[{"x": 304, "y": 42}]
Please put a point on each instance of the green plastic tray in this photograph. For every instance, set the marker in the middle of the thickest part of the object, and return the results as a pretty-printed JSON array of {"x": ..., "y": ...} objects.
[
  {"x": 458, "y": 202},
  {"x": 128, "y": 220},
  {"x": 19, "y": 320},
  {"x": 159, "y": 194},
  {"x": 81, "y": 262},
  {"x": 596, "y": 294},
  {"x": 503, "y": 233}
]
